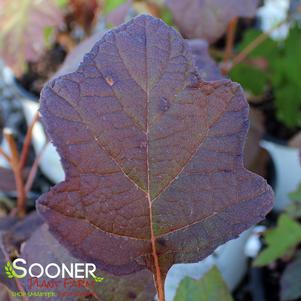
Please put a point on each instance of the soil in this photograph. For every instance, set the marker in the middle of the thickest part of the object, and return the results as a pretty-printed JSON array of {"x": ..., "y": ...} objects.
[
  {"x": 271, "y": 281},
  {"x": 243, "y": 292},
  {"x": 38, "y": 73}
]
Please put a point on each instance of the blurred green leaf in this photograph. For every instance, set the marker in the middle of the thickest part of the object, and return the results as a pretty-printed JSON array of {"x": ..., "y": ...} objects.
[
  {"x": 288, "y": 104},
  {"x": 251, "y": 78},
  {"x": 296, "y": 195},
  {"x": 291, "y": 55},
  {"x": 285, "y": 78},
  {"x": 285, "y": 236},
  {"x": 48, "y": 35},
  {"x": 281, "y": 75},
  {"x": 166, "y": 16},
  {"x": 294, "y": 209},
  {"x": 110, "y": 5},
  {"x": 62, "y": 3},
  {"x": 290, "y": 280},
  {"x": 211, "y": 287}
]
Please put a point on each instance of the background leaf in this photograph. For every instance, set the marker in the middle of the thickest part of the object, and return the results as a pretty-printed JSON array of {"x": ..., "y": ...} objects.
[
  {"x": 208, "y": 19},
  {"x": 13, "y": 233},
  {"x": 211, "y": 287},
  {"x": 22, "y": 25},
  {"x": 290, "y": 284},
  {"x": 119, "y": 14},
  {"x": 207, "y": 67},
  {"x": 248, "y": 73},
  {"x": 286, "y": 79},
  {"x": 6, "y": 281},
  {"x": 279, "y": 240},
  {"x": 274, "y": 67},
  {"x": 5, "y": 294},
  {"x": 296, "y": 195},
  {"x": 251, "y": 78},
  {"x": 111, "y": 5}
]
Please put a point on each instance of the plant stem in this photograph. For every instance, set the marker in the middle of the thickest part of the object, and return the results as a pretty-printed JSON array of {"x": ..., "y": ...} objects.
[
  {"x": 254, "y": 44},
  {"x": 231, "y": 30},
  {"x": 160, "y": 289},
  {"x": 27, "y": 141},
  {"x": 15, "y": 165}
]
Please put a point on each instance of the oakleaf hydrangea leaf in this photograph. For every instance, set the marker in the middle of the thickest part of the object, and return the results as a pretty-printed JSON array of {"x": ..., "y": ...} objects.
[{"x": 152, "y": 155}]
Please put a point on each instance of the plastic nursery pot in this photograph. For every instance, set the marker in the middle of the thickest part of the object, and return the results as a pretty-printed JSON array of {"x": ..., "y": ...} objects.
[
  {"x": 50, "y": 162},
  {"x": 287, "y": 170},
  {"x": 230, "y": 259}
]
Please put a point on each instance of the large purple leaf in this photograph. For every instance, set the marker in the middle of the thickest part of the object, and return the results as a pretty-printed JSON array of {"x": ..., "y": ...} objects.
[
  {"x": 208, "y": 19},
  {"x": 152, "y": 155}
]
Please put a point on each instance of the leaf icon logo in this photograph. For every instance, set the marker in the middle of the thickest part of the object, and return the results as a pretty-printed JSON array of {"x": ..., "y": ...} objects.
[
  {"x": 98, "y": 279},
  {"x": 9, "y": 271}
]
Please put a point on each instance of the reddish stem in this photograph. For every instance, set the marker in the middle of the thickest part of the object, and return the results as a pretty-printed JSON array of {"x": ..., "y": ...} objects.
[
  {"x": 231, "y": 30},
  {"x": 27, "y": 141},
  {"x": 18, "y": 172}
]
